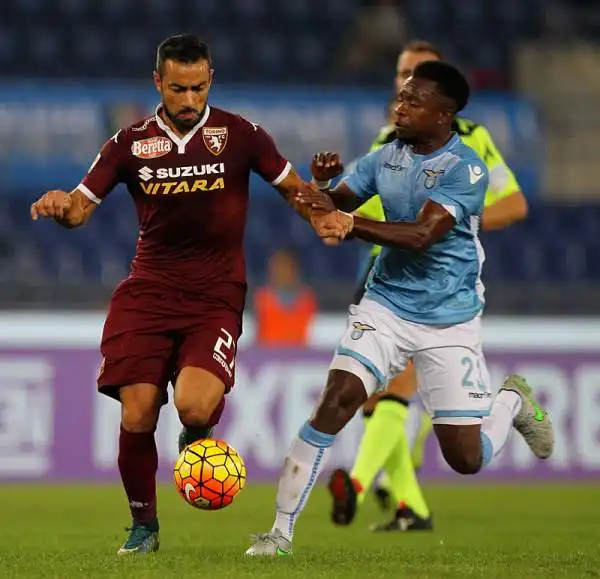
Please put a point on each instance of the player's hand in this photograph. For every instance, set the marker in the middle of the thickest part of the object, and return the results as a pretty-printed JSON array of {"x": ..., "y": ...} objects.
[
  {"x": 327, "y": 228},
  {"x": 326, "y": 166},
  {"x": 316, "y": 199},
  {"x": 332, "y": 227},
  {"x": 54, "y": 204}
]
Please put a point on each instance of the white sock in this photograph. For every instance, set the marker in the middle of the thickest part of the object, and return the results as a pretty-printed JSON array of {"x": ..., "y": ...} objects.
[
  {"x": 496, "y": 427},
  {"x": 303, "y": 464}
]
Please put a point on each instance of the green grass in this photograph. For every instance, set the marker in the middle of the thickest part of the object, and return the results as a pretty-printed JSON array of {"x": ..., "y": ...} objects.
[{"x": 481, "y": 531}]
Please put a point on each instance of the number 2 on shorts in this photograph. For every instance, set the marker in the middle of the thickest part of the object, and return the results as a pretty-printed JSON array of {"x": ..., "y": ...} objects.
[
  {"x": 467, "y": 380},
  {"x": 225, "y": 348}
]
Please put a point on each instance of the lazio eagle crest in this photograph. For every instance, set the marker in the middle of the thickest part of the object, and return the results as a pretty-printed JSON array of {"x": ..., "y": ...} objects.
[
  {"x": 431, "y": 177},
  {"x": 360, "y": 329}
]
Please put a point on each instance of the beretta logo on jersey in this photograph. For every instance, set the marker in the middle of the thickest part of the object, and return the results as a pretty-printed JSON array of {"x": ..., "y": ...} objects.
[
  {"x": 215, "y": 139},
  {"x": 152, "y": 148}
]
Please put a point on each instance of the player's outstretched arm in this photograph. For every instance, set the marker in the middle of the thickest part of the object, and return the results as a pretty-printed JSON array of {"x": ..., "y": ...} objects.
[
  {"x": 319, "y": 209},
  {"x": 433, "y": 222},
  {"x": 293, "y": 189},
  {"x": 273, "y": 167},
  {"x": 68, "y": 209}
]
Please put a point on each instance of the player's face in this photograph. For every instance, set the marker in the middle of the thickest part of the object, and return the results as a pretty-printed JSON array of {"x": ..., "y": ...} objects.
[
  {"x": 406, "y": 64},
  {"x": 420, "y": 112},
  {"x": 184, "y": 90}
]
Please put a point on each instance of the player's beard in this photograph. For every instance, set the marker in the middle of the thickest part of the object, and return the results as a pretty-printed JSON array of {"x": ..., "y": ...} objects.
[{"x": 183, "y": 125}]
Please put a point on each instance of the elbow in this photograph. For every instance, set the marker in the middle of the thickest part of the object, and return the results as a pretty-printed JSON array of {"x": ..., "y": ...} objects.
[
  {"x": 522, "y": 208},
  {"x": 505, "y": 213},
  {"x": 519, "y": 208},
  {"x": 419, "y": 243},
  {"x": 423, "y": 245}
]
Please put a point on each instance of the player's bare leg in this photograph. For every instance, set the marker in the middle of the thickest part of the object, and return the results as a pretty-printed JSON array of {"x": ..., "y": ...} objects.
[
  {"x": 198, "y": 393},
  {"x": 138, "y": 463},
  {"x": 343, "y": 396},
  {"x": 469, "y": 447}
]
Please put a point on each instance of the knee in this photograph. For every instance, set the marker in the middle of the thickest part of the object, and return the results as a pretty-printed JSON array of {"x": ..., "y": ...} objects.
[
  {"x": 139, "y": 416},
  {"x": 343, "y": 396},
  {"x": 198, "y": 412},
  {"x": 461, "y": 446},
  {"x": 199, "y": 397},
  {"x": 463, "y": 461}
]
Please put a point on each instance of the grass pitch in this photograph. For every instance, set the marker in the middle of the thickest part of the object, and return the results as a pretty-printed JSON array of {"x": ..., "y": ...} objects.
[{"x": 481, "y": 531}]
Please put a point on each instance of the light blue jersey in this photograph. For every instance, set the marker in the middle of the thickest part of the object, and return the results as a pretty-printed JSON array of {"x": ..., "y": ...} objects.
[{"x": 442, "y": 285}]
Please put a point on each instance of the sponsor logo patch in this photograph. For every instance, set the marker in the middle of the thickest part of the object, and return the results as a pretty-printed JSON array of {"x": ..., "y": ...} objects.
[{"x": 152, "y": 148}]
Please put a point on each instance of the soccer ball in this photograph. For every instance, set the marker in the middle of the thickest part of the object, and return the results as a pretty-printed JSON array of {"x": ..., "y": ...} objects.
[{"x": 209, "y": 474}]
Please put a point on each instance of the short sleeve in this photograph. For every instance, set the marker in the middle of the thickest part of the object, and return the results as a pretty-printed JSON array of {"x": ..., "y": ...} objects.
[
  {"x": 106, "y": 170},
  {"x": 502, "y": 181},
  {"x": 462, "y": 191},
  {"x": 266, "y": 159},
  {"x": 362, "y": 181}
]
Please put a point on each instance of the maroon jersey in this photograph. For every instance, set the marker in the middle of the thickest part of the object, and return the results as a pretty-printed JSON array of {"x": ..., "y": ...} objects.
[{"x": 191, "y": 195}]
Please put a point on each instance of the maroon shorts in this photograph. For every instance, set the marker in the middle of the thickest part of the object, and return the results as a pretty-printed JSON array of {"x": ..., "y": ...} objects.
[{"x": 153, "y": 331}]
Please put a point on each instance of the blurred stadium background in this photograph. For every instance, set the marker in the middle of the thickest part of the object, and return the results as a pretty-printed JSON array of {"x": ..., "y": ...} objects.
[{"x": 318, "y": 75}]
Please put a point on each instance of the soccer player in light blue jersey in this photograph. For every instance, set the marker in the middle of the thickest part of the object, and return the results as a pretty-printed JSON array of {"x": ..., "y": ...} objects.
[{"x": 422, "y": 303}]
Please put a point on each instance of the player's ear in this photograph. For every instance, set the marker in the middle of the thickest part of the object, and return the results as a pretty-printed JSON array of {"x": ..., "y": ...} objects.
[
  {"x": 446, "y": 116},
  {"x": 211, "y": 76},
  {"x": 157, "y": 81}
]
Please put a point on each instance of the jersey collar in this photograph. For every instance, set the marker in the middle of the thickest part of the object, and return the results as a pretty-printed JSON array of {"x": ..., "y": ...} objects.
[{"x": 181, "y": 142}]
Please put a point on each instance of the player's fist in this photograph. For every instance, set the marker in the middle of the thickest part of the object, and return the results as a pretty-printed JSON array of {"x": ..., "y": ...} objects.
[
  {"x": 326, "y": 166},
  {"x": 54, "y": 204},
  {"x": 332, "y": 227}
]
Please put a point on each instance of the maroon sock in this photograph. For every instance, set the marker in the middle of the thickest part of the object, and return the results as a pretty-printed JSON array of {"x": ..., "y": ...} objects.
[{"x": 138, "y": 463}]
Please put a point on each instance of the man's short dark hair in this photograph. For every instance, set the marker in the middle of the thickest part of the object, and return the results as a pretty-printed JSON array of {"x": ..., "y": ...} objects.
[
  {"x": 184, "y": 48},
  {"x": 422, "y": 46},
  {"x": 450, "y": 81}
]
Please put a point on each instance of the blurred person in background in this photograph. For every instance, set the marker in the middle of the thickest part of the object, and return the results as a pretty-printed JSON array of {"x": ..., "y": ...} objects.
[
  {"x": 385, "y": 443},
  {"x": 285, "y": 307}
]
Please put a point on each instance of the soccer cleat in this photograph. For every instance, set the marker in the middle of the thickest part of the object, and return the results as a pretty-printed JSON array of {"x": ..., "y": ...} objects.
[
  {"x": 532, "y": 422},
  {"x": 405, "y": 520},
  {"x": 189, "y": 435},
  {"x": 272, "y": 544},
  {"x": 142, "y": 539},
  {"x": 344, "y": 496},
  {"x": 383, "y": 498}
]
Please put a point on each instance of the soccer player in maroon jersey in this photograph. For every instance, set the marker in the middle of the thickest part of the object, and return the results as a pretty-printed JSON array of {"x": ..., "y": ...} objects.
[{"x": 178, "y": 316}]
